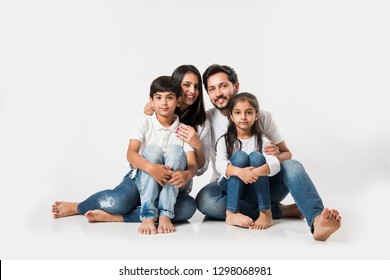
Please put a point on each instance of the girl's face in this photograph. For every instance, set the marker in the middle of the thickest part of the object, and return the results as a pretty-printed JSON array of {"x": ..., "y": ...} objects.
[
  {"x": 190, "y": 86},
  {"x": 244, "y": 115}
]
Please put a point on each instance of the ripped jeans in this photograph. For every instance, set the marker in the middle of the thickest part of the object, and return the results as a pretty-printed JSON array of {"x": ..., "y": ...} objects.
[{"x": 125, "y": 199}]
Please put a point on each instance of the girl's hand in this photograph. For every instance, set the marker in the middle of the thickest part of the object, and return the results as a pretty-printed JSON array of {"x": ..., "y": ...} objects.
[
  {"x": 161, "y": 173},
  {"x": 179, "y": 178},
  {"x": 247, "y": 176},
  {"x": 272, "y": 149},
  {"x": 148, "y": 109},
  {"x": 188, "y": 134}
]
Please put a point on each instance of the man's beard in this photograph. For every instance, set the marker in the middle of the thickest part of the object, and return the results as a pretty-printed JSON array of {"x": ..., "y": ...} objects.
[{"x": 219, "y": 107}]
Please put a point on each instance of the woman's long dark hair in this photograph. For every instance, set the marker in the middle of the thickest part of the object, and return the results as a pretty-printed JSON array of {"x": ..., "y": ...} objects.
[
  {"x": 231, "y": 134},
  {"x": 196, "y": 113}
]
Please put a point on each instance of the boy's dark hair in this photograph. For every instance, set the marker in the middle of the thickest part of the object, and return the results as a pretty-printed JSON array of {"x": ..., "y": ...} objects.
[
  {"x": 216, "y": 68},
  {"x": 163, "y": 84},
  {"x": 196, "y": 113}
]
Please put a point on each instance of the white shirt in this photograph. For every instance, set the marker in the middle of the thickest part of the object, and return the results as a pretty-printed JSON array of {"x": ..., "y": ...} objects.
[
  {"x": 204, "y": 137},
  {"x": 218, "y": 127},
  {"x": 248, "y": 146},
  {"x": 149, "y": 131}
]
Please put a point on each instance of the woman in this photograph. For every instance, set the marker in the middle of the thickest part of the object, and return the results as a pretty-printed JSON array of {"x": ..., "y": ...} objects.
[{"x": 196, "y": 133}]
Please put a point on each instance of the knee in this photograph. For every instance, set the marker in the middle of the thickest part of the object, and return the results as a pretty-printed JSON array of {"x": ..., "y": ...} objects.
[
  {"x": 211, "y": 202},
  {"x": 190, "y": 206},
  {"x": 175, "y": 149},
  {"x": 256, "y": 159},
  {"x": 185, "y": 208},
  {"x": 153, "y": 154},
  {"x": 292, "y": 168},
  {"x": 203, "y": 199},
  {"x": 240, "y": 159},
  {"x": 176, "y": 157}
]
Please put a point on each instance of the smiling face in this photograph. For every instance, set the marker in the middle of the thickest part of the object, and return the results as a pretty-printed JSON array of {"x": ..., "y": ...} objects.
[
  {"x": 243, "y": 116},
  {"x": 221, "y": 90},
  {"x": 190, "y": 86}
]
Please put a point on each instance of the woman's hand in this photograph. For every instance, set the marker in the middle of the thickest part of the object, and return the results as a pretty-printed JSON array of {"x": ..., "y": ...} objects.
[
  {"x": 148, "y": 109},
  {"x": 188, "y": 134}
]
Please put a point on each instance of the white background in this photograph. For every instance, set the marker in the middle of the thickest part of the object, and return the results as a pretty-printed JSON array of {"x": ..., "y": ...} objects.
[{"x": 74, "y": 75}]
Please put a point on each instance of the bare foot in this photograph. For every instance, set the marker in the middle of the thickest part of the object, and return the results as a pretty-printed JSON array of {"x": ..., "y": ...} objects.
[
  {"x": 326, "y": 224},
  {"x": 238, "y": 219},
  {"x": 147, "y": 226},
  {"x": 290, "y": 211},
  {"x": 63, "y": 209},
  {"x": 165, "y": 225},
  {"x": 264, "y": 220},
  {"x": 94, "y": 216}
]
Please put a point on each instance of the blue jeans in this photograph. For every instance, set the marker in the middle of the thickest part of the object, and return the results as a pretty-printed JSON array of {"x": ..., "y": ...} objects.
[
  {"x": 125, "y": 200},
  {"x": 292, "y": 178},
  {"x": 148, "y": 187},
  {"x": 257, "y": 192}
]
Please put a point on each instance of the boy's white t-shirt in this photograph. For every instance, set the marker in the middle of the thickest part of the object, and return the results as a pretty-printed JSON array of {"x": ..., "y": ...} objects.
[
  {"x": 218, "y": 127},
  {"x": 247, "y": 146},
  {"x": 149, "y": 131}
]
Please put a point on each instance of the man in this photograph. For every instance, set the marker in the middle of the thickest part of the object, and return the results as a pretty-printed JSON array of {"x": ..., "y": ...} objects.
[{"x": 221, "y": 84}]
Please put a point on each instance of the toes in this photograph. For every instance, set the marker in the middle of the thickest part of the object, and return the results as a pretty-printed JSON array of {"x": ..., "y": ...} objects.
[{"x": 325, "y": 213}]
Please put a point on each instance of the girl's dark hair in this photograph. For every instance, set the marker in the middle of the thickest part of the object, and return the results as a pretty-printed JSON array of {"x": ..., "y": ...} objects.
[
  {"x": 163, "y": 84},
  {"x": 231, "y": 134},
  {"x": 196, "y": 113}
]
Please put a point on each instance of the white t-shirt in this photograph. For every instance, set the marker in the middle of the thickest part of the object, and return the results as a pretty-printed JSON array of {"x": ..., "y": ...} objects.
[
  {"x": 204, "y": 137},
  {"x": 149, "y": 131},
  {"x": 247, "y": 146},
  {"x": 218, "y": 127}
]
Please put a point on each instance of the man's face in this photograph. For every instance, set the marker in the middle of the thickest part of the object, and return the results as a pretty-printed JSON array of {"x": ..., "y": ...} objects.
[{"x": 220, "y": 90}]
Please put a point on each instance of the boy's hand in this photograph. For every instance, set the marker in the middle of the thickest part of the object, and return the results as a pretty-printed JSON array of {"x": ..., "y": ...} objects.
[
  {"x": 179, "y": 178},
  {"x": 161, "y": 173},
  {"x": 246, "y": 175}
]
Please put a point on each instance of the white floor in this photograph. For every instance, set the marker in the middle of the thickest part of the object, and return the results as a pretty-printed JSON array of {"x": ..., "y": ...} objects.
[{"x": 33, "y": 234}]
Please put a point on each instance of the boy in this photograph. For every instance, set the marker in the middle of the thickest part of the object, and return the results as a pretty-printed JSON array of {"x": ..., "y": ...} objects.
[
  {"x": 157, "y": 157},
  {"x": 161, "y": 163}
]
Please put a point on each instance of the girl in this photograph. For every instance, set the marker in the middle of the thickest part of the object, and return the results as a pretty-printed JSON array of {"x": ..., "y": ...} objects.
[
  {"x": 245, "y": 168},
  {"x": 196, "y": 133}
]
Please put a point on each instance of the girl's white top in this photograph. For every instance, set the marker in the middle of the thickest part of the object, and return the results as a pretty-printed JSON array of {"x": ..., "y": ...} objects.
[{"x": 248, "y": 146}]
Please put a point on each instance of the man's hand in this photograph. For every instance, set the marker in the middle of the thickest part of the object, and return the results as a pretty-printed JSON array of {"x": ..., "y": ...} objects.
[{"x": 272, "y": 149}]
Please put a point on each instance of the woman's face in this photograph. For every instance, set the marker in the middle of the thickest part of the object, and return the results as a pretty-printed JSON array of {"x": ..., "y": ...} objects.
[{"x": 190, "y": 86}]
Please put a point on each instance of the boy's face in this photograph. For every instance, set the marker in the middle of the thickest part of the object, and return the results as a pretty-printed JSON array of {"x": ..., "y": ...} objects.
[
  {"x": 221, "y": 90},
  {"x": 165, "y": 103}
]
